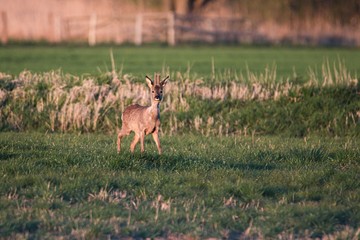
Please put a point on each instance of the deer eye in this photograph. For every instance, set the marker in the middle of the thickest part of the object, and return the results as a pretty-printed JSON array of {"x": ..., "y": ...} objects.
[{"x": 152, "y": 91}]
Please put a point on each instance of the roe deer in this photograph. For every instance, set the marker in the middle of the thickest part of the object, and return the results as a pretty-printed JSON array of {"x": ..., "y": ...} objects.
[{"x": 144, "y": 120}]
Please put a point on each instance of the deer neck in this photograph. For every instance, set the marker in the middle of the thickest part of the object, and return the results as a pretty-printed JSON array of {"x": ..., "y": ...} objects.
[{"x": 154, "y": 109}]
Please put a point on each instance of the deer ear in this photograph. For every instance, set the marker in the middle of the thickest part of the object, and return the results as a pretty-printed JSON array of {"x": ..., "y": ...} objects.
[
  {"x": 150, "y": 82},
  {"x": 164, "y": 82}
]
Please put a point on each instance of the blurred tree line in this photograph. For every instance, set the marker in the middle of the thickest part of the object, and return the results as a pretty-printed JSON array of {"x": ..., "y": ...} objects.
[
  {"x": 343, "y": 12},
  {"x": 340, "y": 12}
]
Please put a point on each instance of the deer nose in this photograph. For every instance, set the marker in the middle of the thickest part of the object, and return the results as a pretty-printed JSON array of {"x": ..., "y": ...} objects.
[{"x": 158, "y": 97}]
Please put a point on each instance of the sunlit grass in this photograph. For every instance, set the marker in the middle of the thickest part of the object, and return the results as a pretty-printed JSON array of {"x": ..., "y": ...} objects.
[
  {"x": 200, "y": 60},
  {"x": 77, "y": 185}
]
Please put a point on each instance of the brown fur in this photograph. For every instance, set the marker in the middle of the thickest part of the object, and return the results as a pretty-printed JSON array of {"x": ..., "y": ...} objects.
[{"x": 144, "y": 120}]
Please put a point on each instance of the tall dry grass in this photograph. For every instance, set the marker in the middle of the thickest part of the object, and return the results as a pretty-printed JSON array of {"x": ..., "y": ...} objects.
[{"x": 54, "y": 101}]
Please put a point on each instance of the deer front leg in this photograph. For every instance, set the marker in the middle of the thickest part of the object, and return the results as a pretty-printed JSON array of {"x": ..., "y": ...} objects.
[
  {"x": 119, "y": 142},
  {"x": 142, "y": 137},
  {"x": 157, "y": 140},
  {"x": 134, "y": 142}
]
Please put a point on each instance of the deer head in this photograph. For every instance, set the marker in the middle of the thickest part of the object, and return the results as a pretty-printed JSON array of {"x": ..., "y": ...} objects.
[{"x": 156, "y": 87}]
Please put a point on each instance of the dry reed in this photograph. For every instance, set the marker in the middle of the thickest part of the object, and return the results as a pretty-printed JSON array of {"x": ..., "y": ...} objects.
[{"x": 62, "y": 102}]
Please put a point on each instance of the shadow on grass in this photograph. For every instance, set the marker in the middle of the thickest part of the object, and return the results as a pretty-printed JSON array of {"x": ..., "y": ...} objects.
[
  {"x": 256, "y": 160},
  {"x": 7, "y": 156},
  {"x": 181, "y": 162}
]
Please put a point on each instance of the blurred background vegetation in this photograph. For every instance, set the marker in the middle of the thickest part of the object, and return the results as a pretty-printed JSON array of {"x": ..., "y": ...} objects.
[{"x": 315, "y": 22}]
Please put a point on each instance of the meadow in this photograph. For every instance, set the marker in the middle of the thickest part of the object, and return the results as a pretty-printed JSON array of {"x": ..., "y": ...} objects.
[
  {"x": 200, "y": 60},
  {"x": 77, "y": 186},
  {"x": 257, "y": 143}
]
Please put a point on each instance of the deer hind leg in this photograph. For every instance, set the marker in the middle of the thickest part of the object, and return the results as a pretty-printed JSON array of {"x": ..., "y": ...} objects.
[
  {"x": 134, "y": 142},
  {"x": 122, "y": 133},
  {"x": 157, "y": 141}
]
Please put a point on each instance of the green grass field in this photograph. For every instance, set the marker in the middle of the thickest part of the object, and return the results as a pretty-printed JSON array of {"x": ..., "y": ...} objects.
[
  {"x": 78, "y": 186},
  {"x": 257, "y": 153},
  {"x": 147, "y": 60}
]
